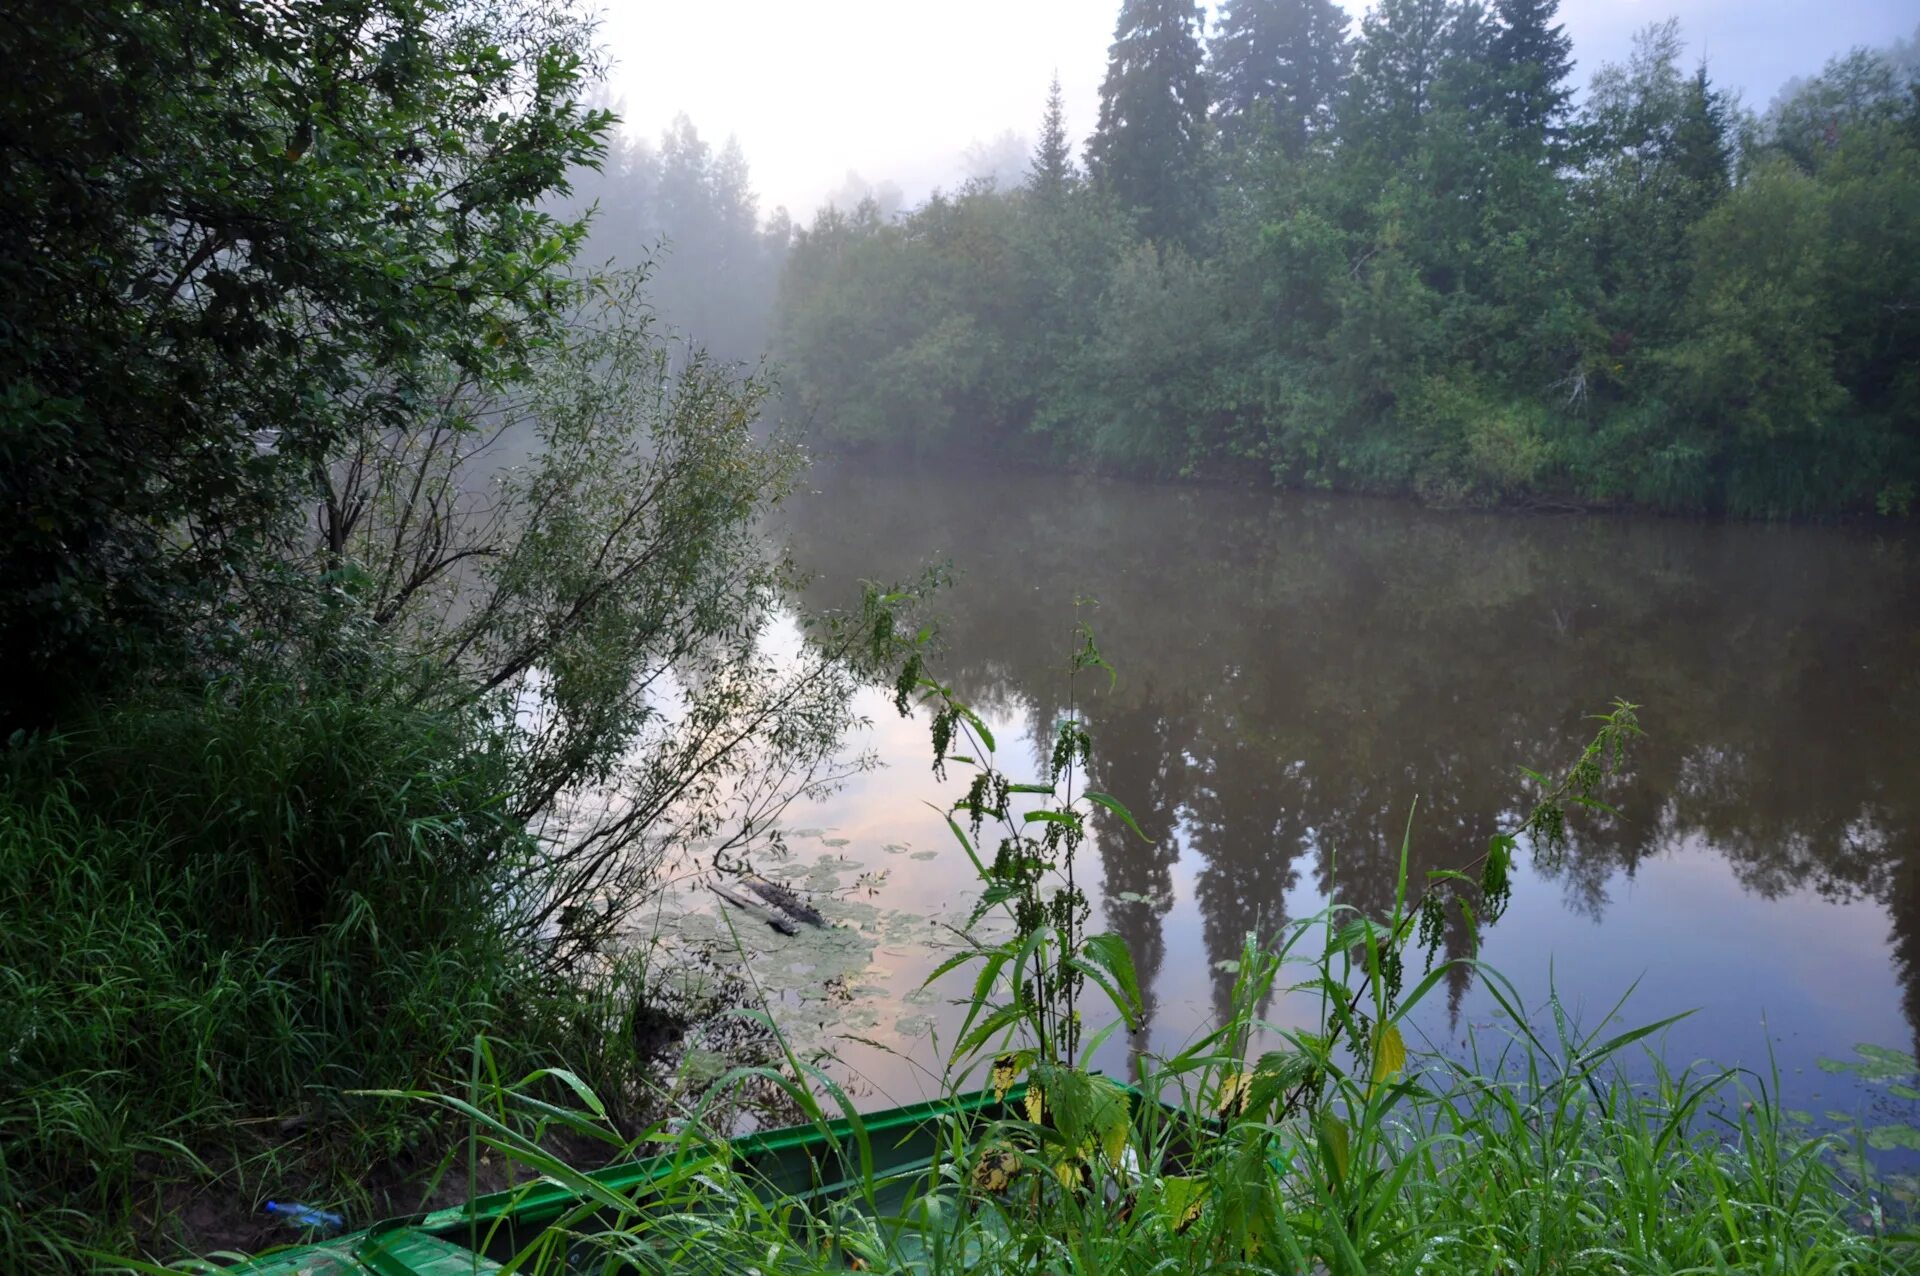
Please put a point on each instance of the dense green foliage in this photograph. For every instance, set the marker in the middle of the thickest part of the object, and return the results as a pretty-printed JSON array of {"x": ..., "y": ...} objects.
[
  {"x": 1408, "y": 262},
  {"x": 216, "y": 917},
  {"x": 228, "y": 224},
  {"x": 381, "y": 599}
]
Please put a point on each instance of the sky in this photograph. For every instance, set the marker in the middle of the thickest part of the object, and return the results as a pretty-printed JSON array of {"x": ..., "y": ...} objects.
[{"x": 896, "y": 90}]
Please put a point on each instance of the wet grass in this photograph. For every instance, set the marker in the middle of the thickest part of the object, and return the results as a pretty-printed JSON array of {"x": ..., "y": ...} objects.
[
  {"x": 218, "y": 919},
  {"x": 1538, "y": 1156}
]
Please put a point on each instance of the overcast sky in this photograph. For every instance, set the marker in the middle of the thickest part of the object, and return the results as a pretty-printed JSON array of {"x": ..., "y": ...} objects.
[{"x": 897, "y": 89}]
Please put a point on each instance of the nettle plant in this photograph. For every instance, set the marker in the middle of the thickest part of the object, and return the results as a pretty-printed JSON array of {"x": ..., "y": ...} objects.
[{"x": 1304, "y": 1123}]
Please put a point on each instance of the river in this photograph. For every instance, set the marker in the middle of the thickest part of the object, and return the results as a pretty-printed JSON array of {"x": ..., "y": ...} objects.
[{"x": 1299, "y": 674}]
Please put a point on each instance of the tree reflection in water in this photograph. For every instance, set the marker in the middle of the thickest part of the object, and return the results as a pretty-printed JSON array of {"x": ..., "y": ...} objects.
[{"x": 1296, "y": 670}]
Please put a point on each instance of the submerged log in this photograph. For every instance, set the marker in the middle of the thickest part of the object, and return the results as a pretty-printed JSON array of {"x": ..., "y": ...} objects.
[
  {"x": 772, "y": 917},
  {"x": 783, "y": 898}
]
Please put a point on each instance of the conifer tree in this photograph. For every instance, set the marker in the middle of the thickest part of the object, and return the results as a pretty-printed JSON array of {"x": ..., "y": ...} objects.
[
  {"x": 1701, "y": 150},
  {"x": 1278, "y": 66},
  {"x": 1149, "y": 147},
  {"x": 1403, "y": 48},
  {"x": 1052, "y": 171},
  {"x": 1533, "y": 58}
]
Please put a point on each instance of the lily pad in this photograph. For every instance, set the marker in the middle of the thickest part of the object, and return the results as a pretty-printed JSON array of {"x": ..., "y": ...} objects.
[
  {"x": 1876, "y": 1063},
  {"x": 924, "y": 855},
  {"x": 1883, "y": 1138}
]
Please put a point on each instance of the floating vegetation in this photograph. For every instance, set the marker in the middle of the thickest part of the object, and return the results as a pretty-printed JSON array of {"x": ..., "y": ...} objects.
[
  {"x": 833, "y": 962},
  {"x": 1876, "y": 1063}
]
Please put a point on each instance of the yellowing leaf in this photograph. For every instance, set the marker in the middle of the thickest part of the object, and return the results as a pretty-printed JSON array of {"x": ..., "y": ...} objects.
[
  {"x": 1389, "y": 1053},
  {"x": 1006, "y": 1070},
  {"x": 1235, "y": 1089},
  {"x": 1113, "y": 1139},
  {"x": 996, "y": 1168},
  {"x": 1036, "y": 1104}
]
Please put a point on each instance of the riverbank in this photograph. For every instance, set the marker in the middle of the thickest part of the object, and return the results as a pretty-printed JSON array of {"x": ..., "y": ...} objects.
[{"x": 227, "y": 919}]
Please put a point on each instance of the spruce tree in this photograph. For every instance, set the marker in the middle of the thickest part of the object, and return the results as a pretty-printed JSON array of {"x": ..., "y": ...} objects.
[
  {"x": 1403, "y": 49},
  {"x": 1149, "y": 147},
  {"x": 1051, "y": 172},
  {"x": 1701, "y": 150},
  {"x": 1278, "y": 66},
  {"x": 1533, "y": 58}
]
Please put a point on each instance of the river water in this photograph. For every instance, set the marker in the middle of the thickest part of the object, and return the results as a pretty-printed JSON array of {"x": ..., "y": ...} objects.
[{"x": 1298, "y": 675}]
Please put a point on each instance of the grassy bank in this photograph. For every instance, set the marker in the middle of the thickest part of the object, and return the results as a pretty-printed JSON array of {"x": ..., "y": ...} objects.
[
  {"x": 1537, "y": 1156},
  {"x": 218, "y": 916}
]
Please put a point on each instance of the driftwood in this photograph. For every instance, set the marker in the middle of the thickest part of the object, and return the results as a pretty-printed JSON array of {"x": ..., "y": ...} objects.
[
  {"x": 772, "y": 917},
  {"x": 783, "y": 899}
]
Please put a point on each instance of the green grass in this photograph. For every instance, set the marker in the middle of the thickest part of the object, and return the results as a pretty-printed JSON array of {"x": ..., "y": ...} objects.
[
  {"x": 1538, "y": 1158},
  {"x": 218, "y": 918}
]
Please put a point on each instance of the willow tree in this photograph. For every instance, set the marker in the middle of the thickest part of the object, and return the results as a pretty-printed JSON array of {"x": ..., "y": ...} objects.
[{"x": 230, "y": 233}]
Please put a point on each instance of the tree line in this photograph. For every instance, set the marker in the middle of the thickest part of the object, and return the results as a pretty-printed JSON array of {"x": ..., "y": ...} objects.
[
  {"x": 1406, "y": 257},
  {"x": 685, "y": 212}
]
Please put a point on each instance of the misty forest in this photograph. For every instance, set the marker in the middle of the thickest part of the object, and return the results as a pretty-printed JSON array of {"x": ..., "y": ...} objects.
[
  {"x": 1310, "y": 668},
  {"x": 1403, "y": 255}
]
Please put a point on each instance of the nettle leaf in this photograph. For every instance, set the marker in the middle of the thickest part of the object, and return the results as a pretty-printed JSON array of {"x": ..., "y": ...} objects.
[
  {"x": 1112, "y": 804},
  {"x": 1111, "y": 954},
  {"x": 1389, "y": 1054},
  {"x": 1334, "y": 1141},
  {"x": 1181, "y": 1200}
]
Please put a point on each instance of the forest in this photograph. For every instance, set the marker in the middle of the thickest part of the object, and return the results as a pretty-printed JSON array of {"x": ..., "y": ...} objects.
[{"x": 1407, "y": 255}]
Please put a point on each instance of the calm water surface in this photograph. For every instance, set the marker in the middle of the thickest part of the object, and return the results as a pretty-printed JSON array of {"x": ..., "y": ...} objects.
[{"x": 1298, "y": 673}]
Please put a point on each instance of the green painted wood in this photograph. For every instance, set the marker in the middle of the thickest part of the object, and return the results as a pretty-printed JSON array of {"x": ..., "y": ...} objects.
[
  {"x": 407, "y": 1252},
  {"x": 399, "y": 1252}
]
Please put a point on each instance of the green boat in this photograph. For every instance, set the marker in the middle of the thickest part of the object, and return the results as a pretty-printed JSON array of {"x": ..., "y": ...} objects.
[{"x": 807, "y": 1165}]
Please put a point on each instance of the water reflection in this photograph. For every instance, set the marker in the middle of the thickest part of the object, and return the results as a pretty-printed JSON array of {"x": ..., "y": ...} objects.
[{"x": 1295, "y": 671}]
